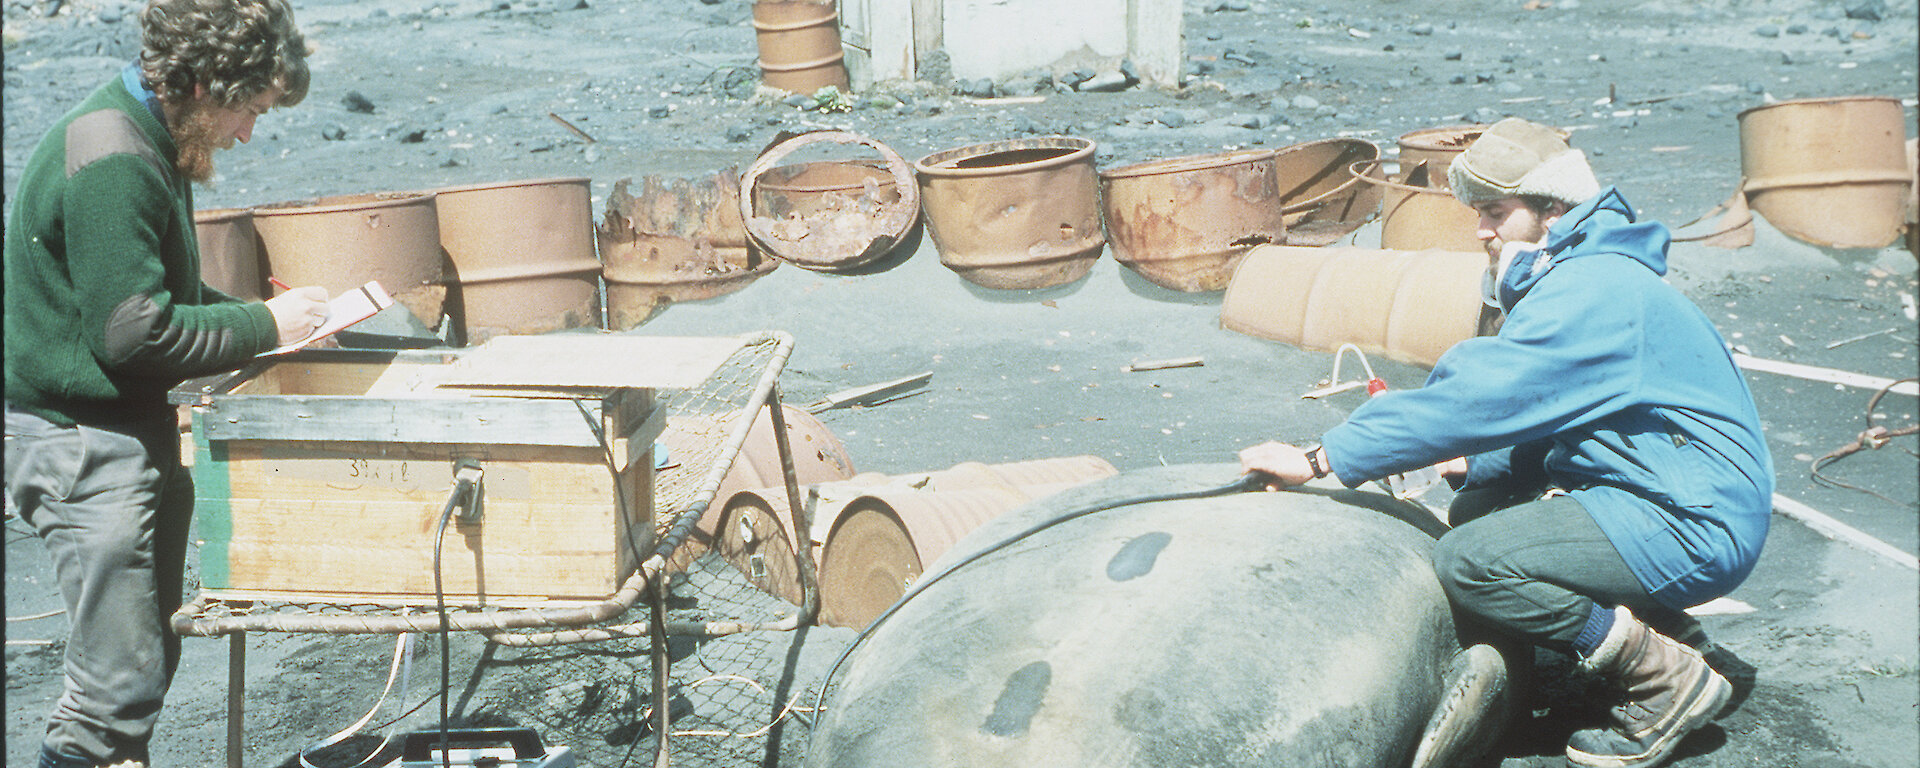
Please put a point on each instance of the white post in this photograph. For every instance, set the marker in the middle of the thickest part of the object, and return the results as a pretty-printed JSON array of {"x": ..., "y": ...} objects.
[{"x": 1154, "y": 32}]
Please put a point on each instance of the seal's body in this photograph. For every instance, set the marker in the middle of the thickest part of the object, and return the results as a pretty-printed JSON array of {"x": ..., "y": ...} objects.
[{"x": 1297, "y": 628}]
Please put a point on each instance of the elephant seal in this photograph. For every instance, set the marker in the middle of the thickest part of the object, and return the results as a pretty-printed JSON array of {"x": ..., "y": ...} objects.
[{"x": 1299, "y": 628}]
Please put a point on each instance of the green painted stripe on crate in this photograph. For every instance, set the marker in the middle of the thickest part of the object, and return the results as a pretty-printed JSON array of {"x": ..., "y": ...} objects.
[{"x": 213, "y": 507}]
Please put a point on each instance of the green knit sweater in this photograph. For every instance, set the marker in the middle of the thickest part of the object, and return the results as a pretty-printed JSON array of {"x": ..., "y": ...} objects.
[{"x": 105, "y": 309}]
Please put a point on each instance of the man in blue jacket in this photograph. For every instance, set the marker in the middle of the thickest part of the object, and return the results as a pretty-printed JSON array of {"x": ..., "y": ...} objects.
[{"x": 1614, "y": 473}]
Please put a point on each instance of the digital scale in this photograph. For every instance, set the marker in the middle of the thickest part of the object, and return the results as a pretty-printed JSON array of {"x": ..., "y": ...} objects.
[{"x": 482, "y": 748}]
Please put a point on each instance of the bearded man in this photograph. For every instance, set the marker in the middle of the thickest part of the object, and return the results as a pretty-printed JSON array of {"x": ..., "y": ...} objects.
[
  {"x": 1614, "y": 473},
  {"x": 105, "y": 312}
]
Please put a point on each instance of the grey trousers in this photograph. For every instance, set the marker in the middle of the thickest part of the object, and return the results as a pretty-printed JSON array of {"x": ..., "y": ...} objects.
[
  {"x": 1534, "y": 571},
  {"x": 112, "y": 504}
]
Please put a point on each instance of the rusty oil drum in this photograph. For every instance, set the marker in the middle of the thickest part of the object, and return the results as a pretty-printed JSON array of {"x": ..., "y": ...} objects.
[
  {"x": 1417, "y": 216},
  {"x": 230, "y": 253},
  {"x": 1184, "y": 223},
  {"x": 523, "y": 255},
  {"x": 1015, "y": 214},
  {"x": 342, "y": 242},
  {"x": 1832, "y": 172},
  {"x": 818, "y": 456},
  {"x": 1411, "y": 306},
  {"x": 799, "y": 43},
  {"x": 1436, "y": 147}
]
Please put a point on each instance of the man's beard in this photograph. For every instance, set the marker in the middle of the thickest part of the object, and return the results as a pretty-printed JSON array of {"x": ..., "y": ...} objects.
[{"x": 193, "y": 137}]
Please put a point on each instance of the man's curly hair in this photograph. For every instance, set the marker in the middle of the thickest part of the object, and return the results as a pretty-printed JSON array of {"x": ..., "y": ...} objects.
[{"x": 235, "y": 49}]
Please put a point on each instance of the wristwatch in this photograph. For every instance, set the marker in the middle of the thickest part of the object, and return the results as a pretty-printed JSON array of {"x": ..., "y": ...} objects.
[{"x": 1313, "y": 462}]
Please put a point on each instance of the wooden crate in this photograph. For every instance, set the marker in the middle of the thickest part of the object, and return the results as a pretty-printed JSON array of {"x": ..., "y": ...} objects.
[{"x": 321, "y": 476}]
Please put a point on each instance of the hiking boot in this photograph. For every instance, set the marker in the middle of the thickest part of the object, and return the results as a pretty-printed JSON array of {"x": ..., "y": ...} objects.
[
  {"x": 1670, "y": 691},
  {"x": 1739, "y": 674}
]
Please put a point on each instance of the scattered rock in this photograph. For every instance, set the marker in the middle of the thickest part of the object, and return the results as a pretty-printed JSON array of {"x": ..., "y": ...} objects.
[
  {"x": 739, "y": 132},
  {"x": 1026, "y": 84},
  {"x": 1867, "y": 10},
  {"x": 981, "y": 88},
  {"x": 357, "y": 102},
  {"x": 1305, "y": 103},
  {"x": 660, "y": 111},
  {"x": 333, "y": 132},
  {"x": 1422, "y": 29},
  {"x": 414, "y": 136},
  {"x": 1796, "y": 29},
  {"x": 1076, "y": 77},
  {"x": 1244, "y": 120},
  {"x": 1171, "y": 118},
  {"x": 1107, "y": 82},
  {"x": 1767, "y": 30},
  {"x": 1453, "y": 55},
  {"x": 1199, "y": 67}
]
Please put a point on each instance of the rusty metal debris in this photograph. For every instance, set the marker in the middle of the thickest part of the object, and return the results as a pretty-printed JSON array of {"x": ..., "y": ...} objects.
[
  {"x": 830, "y": 216},
  {"x": 1320, "y": 201},
  {"x": 571, "y": 128},
  {"x": 873, "y": 394},
  {"x": 1733, "y": 228},
  {"x": 679, "y": 240},
  {"x": 1160, "y": 365}
]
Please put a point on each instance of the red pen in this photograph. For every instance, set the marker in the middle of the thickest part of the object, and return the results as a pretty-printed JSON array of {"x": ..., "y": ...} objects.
[{"x": 279, "y": 283}]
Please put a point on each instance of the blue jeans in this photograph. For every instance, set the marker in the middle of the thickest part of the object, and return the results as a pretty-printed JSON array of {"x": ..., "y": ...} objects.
[{"x": 112, "y": 505}]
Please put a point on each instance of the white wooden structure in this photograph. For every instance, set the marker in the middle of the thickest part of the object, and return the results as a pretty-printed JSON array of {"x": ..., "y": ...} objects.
[{"x": 886, "y": 39}]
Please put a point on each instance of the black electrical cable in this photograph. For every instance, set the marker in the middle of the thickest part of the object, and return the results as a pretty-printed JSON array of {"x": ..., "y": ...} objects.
[
  {"x": 446, "y": 629},
  {"x": 1251, "y": 481}
]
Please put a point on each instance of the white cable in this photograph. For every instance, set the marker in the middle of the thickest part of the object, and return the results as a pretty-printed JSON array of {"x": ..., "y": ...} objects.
[{"x": 401, "y": 669}]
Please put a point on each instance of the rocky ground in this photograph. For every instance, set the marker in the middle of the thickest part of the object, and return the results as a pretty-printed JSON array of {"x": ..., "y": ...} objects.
[{"x": 413, "y": 94}]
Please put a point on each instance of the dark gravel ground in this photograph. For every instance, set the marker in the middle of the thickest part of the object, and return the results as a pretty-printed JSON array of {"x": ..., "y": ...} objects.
[{"x": 461, "y": 91}]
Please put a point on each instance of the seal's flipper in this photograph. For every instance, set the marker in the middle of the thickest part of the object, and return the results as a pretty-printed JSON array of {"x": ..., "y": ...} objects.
[{"x": 1474, "y": 706}]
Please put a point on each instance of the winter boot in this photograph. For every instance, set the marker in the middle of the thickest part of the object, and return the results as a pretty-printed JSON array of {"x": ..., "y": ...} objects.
[
  {"x": 1670, "y": 691},
  {"x": 1741, "y": 675}
]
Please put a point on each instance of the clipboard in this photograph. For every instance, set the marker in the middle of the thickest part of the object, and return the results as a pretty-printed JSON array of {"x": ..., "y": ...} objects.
[{"x": 342, "y": 311}]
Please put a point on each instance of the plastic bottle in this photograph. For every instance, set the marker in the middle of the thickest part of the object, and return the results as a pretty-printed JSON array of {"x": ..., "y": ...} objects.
[{"x": 1411, "y": 484}]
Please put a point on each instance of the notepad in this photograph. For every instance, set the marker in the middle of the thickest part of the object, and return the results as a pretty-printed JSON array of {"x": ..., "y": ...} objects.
[{"x": 343, "y": 311}]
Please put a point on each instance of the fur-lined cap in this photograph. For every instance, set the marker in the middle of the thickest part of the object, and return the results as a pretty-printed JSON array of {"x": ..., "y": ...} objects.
[{"x": 1515, "y": 158}]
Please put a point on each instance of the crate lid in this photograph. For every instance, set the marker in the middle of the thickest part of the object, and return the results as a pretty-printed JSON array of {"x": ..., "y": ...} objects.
[{"x": 575, "y": 364}]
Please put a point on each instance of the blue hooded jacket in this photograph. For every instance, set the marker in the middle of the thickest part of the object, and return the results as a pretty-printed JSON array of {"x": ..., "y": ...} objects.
[{"x": 1626, "y": 385}]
